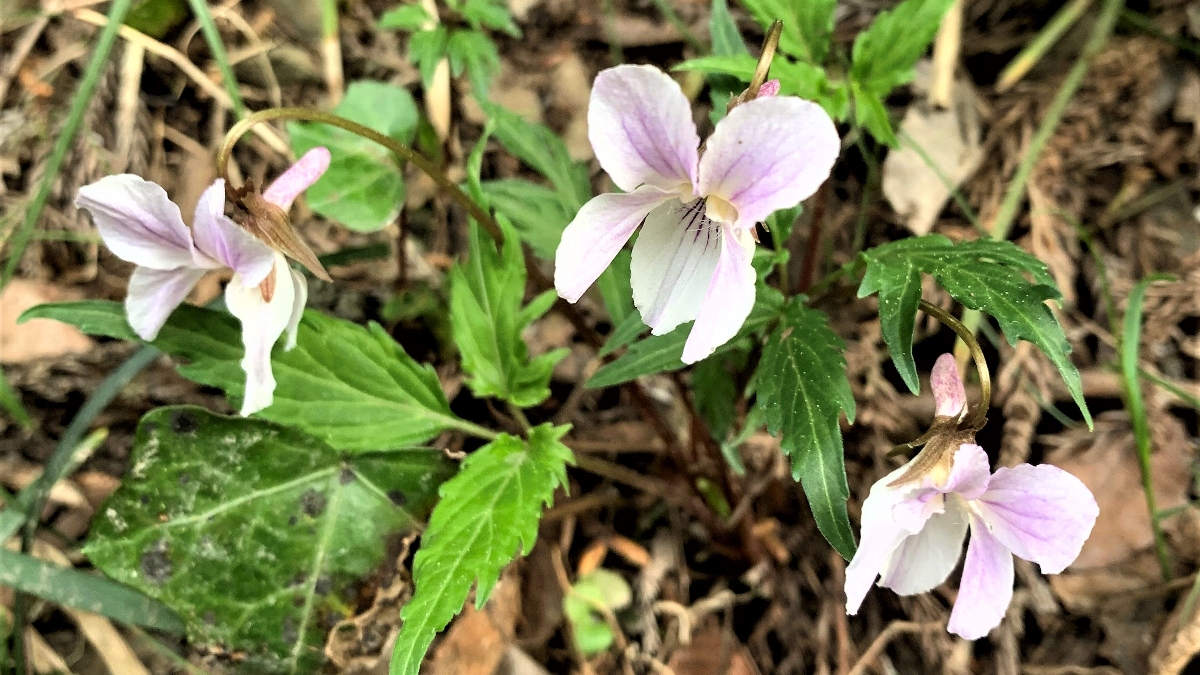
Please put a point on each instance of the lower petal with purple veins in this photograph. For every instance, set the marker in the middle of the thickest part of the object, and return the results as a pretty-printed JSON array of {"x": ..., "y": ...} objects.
[
  {"x": 728, "y": 299},
  {"x": 673, "y": 262},
  {"x": 986, "y": 588}
]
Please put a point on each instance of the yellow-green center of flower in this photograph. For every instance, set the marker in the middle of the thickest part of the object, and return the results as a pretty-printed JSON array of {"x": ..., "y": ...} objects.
[{"x": 720, "y": 210}]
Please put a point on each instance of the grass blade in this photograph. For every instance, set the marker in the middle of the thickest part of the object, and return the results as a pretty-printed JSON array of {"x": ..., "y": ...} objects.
[
  {"x": 79, "y": 104},
  {"x": 215, "y": 45},
  {"x": 10, "y": 401}
]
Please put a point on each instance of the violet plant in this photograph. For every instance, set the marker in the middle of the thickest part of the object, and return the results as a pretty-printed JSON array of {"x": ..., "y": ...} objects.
[{"x": 252, "y": 528}]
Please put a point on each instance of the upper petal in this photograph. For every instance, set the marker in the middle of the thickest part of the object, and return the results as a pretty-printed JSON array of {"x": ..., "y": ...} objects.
[
  {"x": 879, "y": 537},
  {"x": 599, "y": 230},
  {"x": 154, "y": 294},
  {"x": 298, "y": 178},
  {"x": 262, "y": 324},
  {"x": 641, "y": 129},
  {"x": 970, "y": 474},
  {"x": 673, "y": 262},
  {"x": 768, "y": 154},
  {"x": 1041, "y": 513},
  {"x": 220, "y": 242},
  {"x": 728, "y": 300},
  {"x": 924, "y": 560},
  {"x": 947, "y": 386},
  {"x": 137, "y": 221},
  {"x": 986, "y": 588}
]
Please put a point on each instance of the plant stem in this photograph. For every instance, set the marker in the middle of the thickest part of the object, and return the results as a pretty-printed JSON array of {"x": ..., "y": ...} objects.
[
  {"x": 215, "y": 45},
  {"x": 79, "y": 104},
  {"x": 979, "y": 417},
  {"x": 404, "y": 152},
  {"x": 474, "y": 430},
  {"x": 1036, "y": 49}
]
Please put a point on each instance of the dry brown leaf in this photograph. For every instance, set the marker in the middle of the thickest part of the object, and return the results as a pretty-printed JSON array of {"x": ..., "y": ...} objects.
[
  {"x": 477, "y": 641},
  {"x": 704, "y": 656},
  {"x": 45, "y": 660},
  {"x": 118, "y": 657},
  {"x": 39, "y": 338}
]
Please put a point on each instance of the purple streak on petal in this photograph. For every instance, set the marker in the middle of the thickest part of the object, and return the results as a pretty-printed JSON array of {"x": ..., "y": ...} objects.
[
  {"x": 947, "y": 387},
  {"x": 970, "y": 473},
  {"x": 262, "y": 324},
  {"x": 138, "y": 222},
  {"x": 641, "y": 129},
  {"x": 298, "y": 178},
  {"x": 154, "y": 294},
  {"x": 768, "y": 88},
  {"x": 1041, "y": 513},
  {"x": 986, "y": 588},
  {"x": 221, "y": 243},
  {"x": 768, "y": 154},
  {"x": 924, "y": 560},
  {"x": 879, "y": 538},
  {"x": 593, "y": 238},
  {"x": 728, "y": 300},
  {"x": 672, "y": 265}
]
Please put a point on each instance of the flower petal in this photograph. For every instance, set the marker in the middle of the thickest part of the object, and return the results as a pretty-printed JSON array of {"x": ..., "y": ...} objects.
[
  {"x": 221, "y": 243},
  {"x": 970, "y": 474},
  {"x": 599, "y": 230},
  {"x": 768, "y": 154},
  {"x": 262, "y": 324},
  {"x": 947, "y": 387},
  {"x": 138, "y": 222},
  {"x": 924, "y": 560},
  {"x": 1041, "y": 513},
  {"x": 154, "y": 294},
  {"x": 728, "y": 300},
  {"x": 986, "y": 588},
  {"x": 673, "y": 262},
  {"x": 879, "y": 538},
  {"x": 301, "y": 286},
  {"x": 641, "y": 129},
  {"x": 298, "y": 178}
]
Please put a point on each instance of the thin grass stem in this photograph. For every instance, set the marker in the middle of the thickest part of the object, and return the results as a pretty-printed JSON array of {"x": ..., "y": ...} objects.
[{"x": 217, "y": 47}]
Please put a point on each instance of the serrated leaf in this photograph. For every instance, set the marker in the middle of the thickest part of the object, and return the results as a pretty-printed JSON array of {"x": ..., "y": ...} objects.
[
  {"x": 726, "y": 38},
  {"x": 487, "y": 515},
  {"x": 486, "y": 319},
  {"x": 474, "y": 52},
  {"x": 663, "y": 353},
  {"x": 885, "y": 53},
  {"x": 253, "y": 532},
  {"x": 984, "y": 275},
  {"x": 426, "y": 48},
  {"x": 364, "y": 187},
  {"x": 408, "y": 17},
  {"x": 802, "y": 390},
  {"x": 807, "y": 25},
  {"x": 353, "y": 387},
  {"x": 491, "y": 14},
  {"x": 536, "y": 211},
  {"x": 542, "y": 149},
  {"x": 871, "y": 114},
  {"x": 716, "y": 397},
  {"x": 795, "y": 78},
  {"x": 616, "y": 288},
  {"x": 624, "y": 333}
]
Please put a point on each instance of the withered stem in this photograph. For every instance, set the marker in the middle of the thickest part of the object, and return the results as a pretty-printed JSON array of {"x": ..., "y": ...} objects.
[{"x": 764, "y": 60}]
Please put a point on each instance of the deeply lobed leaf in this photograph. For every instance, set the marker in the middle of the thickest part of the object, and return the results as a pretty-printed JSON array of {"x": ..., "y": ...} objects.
[
  {"x": 487, "y": 514},
  {"x": 802, "y": 391}
]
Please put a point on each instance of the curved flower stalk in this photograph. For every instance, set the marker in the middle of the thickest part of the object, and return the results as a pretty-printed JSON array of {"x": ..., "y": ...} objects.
[
  {"x": 692, "y": 258},
  {"x": 140, "y": 224},
  {"x": 913, "y": 526}
]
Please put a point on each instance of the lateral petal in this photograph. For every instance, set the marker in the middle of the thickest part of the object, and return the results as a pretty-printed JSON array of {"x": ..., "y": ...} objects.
[
  {"x": 768, "y": 154},
  {"x": 154, "y": 294},
  {"x": 986, "y": 588},
  {"x": 728, "y": 300},
  {"x": 924, "y": 560},
  {"x": 262, "y": 324},
  {"x": 879, "y": 537},
  {"x": 673, "y": 262},
  {"x": 220, "y": 242},
  {"x": 1041, "y": 513},
  {"x": 641, "y": 129},
  {"x": 597, "y": 233},
  {"x": 138, "y": 222}
]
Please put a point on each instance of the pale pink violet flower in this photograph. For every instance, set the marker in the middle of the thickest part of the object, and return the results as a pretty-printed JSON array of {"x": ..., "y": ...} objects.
[
  {"x": 912, "y": 532},
  {"x": 140, "y": 224},
  {"x": 692, "y": 258}
]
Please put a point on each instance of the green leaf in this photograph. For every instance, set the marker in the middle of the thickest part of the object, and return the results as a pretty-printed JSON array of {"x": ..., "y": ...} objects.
[
  {"x": 426, "y": 48},
  {"x": 716, "y": 397},
  {"x": 491, "y": 14},
  {"x": 474, "y": 52},
  {"x": 605, "y": 588},
  {"x": 624, "y": 333},
  {"x": 615, "y": 287},
  {"x": 807, "y": 25},
  {"x": 254, "y": 532},
  {"x": 885, "y": 53},
  {"x": 802, "y": 389},
  {"x": 663, "y": 353},
  {"x": 795, "y": 78},
  {"x": 70, "y": 587},
  {"x": 349, "y": 385},
  {"x": 486, "y": 319},
  {"x": 871, "y": 114},
  {"x": 726, "y": 38},
  {"x": 364, "y": 187},
  {"x": 984, "y": 275},
  {"x": 409, "y": 17},
  {"x": 538, "y": 213},
  {"x": 488, "y": 514},
  {"x": 542, "y": 149}
]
